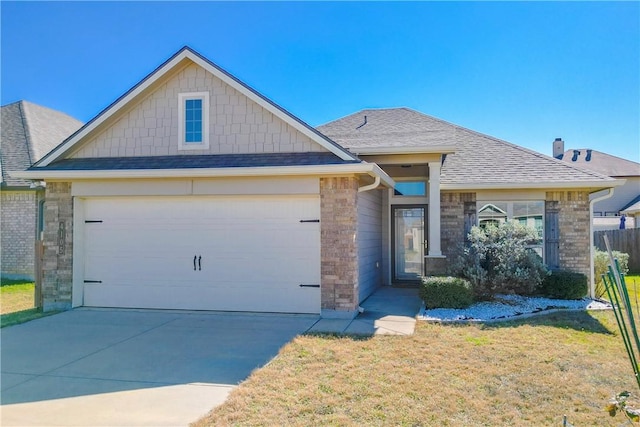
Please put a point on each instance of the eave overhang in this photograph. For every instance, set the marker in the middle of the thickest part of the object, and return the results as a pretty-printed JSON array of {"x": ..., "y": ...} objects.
[
  {"x": 441, "y": 149},
  {"x": 362, "y": 168},
  {"x": 590, "y": 185}
]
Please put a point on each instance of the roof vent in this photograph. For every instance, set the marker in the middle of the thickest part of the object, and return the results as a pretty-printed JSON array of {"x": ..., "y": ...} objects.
[
  {"x": 365, "y": 122},
  {"x": 588, "y": 158},
  {"x": 576, "y": 153}
]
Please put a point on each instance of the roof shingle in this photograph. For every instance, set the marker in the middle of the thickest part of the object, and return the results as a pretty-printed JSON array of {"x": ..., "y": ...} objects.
[
  {"x": 29, "y": 131},
  {"x": 479, "y": 160},
  {"x": 195, "y": 162},
  {"x": 600, "y": 162}
]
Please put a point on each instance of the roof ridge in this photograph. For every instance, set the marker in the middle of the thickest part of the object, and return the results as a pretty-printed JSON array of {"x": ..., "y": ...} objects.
[
  {"x": 365, "y": 109},
  {"x": 25, "y": 129},
  {"x": 517, "y": 147}
]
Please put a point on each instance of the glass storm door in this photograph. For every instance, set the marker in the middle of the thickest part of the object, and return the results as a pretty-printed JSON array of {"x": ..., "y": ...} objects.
[{"x": 409, "y": 243}]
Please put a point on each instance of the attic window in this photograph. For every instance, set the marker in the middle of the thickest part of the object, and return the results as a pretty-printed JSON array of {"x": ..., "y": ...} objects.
[{"x": 193, "y": 121}]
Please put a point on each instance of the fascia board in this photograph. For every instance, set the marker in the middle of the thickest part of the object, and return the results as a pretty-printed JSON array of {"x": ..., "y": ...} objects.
[
  {"x": 535, "y": 185},
  {"x": 322, "y": 170}
]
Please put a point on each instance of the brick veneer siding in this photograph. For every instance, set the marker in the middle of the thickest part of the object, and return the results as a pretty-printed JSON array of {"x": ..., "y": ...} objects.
[
  {"x": 58, "y": 247},
  {"x": 18, "y": 210},
  {"x": 452, "y": 221},
  {"x": 573, "y": 222},
  {"x": 339, "y": 250}
]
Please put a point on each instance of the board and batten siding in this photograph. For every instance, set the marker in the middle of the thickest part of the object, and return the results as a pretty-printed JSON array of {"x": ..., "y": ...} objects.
[
  {"x": 369, "y": 240},
  {"x": 236, "y": 124}
]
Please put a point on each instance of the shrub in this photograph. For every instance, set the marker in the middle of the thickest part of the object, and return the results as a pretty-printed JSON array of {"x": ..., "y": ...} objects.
[
  {"x": 601, "y": 266},
  {"x": 561, "y": 284},
  {"x": 446, "y": 292},
  {"x": 498, "y": 260}
]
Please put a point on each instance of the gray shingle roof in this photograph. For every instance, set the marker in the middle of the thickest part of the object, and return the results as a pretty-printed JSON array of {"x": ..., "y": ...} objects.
[
  {"x": 600, "y": 162},
  {"x": 633, "y": 206},
  {"x": 479, "y": 160},
  {"x": 388, "y": 128},
  {"x": 198, "y": 161},
  {"x": 29, "y": 131}
]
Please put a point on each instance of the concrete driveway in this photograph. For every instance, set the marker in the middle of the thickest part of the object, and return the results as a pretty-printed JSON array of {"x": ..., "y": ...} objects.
[{"x": 89, "y": 367}]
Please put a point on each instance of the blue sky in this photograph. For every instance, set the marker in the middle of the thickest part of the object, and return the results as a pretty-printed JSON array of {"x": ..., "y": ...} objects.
[{"x": 523, "y": 72}]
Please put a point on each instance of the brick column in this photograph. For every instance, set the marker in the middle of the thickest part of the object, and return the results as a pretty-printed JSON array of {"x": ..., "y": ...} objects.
[
  {"x": 339, "y": 249},
  {"x": 58, "y": 247},
  {"x": 573, "y": 222}
]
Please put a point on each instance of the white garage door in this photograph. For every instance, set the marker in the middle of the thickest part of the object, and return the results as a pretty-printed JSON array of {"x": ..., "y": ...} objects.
[{"x": 259, "y": 253}]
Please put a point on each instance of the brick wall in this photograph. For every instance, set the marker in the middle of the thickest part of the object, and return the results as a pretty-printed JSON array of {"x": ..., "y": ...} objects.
[
  {"x": 18, "y": 210},
  {"x": 452, "y": 221},
  {"x": 573, "y": 222},
  {"x": 339, "y": 251},
  {"x": 58, "y": 247},
  {"x": 237, "y": 124}
]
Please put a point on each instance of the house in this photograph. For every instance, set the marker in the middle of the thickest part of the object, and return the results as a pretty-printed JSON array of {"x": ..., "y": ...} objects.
[
  {"x": 193, "y": 191},
  {"x": 632, "y": 210},
  {"x": 29, "y": 131},
  {"x": 607, "y": 212}
]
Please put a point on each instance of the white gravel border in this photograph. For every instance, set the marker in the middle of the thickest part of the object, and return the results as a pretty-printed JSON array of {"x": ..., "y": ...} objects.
[{"x": 509, "y": 307}]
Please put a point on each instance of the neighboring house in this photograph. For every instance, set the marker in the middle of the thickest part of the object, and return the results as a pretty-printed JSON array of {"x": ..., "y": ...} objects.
[
  {"x": 632, "y": 211},
  {"x": 193, "y": 191},
  {"x": 607, "y": 212},
  {"x": 29, "y": 131}
]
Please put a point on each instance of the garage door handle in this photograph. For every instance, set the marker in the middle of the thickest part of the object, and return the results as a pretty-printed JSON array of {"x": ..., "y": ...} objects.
[
  {"x": 200, "y": 263},
  {"x": 195, "y": 258},
  {"x": 309, "y": 286}
]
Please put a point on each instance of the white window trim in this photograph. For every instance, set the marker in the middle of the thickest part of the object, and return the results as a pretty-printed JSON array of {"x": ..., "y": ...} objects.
[{"x": 182, "y": 97}]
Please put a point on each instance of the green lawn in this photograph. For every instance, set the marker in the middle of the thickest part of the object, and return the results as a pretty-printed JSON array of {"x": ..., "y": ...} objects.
[
  {"x": 17, "y": 303},
  {"x": 525, "y": 373}
]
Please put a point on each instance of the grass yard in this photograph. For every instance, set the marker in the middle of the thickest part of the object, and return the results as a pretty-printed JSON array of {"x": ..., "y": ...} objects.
[
  {"x": 523, "y": 373},
  {"x": 17, "y": 303},
  {"x": 16, "y": 295}
]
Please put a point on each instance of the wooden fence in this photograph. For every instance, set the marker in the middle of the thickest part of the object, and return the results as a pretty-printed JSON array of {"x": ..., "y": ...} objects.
[{"x": 627, "y": 240}]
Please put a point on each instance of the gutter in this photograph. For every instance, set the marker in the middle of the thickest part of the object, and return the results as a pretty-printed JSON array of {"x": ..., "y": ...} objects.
[
  {"x": 592, "y": 284},
  {"x": 370, "y": 169}
]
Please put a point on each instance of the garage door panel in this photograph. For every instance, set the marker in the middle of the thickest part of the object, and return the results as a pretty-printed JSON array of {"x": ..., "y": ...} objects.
[
  {"x": 177, "y": 297},
  {"x": 255, "y": 253}
]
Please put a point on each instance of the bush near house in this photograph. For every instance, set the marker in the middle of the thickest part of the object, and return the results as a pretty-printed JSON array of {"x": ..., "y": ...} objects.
[
  {"x": 601, "y": 266},
  {"x": 446, "y": 292},
  {"x": 562, "y": 284},
  {"x": 498, "y": 260}
]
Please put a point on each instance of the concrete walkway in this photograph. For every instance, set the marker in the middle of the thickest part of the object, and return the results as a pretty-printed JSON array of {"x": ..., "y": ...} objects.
[{"x": 388, "y": 311}]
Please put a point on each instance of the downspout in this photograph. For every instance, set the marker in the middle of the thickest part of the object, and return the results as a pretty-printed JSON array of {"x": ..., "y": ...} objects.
[
  {"x": 592, "y": 285},
  {"x": 376, "y": 184}
]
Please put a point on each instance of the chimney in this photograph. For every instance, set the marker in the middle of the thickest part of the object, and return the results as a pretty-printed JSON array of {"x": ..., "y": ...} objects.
[{"x": 558, "y": 148}]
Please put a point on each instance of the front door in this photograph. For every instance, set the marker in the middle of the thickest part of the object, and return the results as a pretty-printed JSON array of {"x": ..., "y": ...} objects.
[{"x": 409, "y": 243}]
